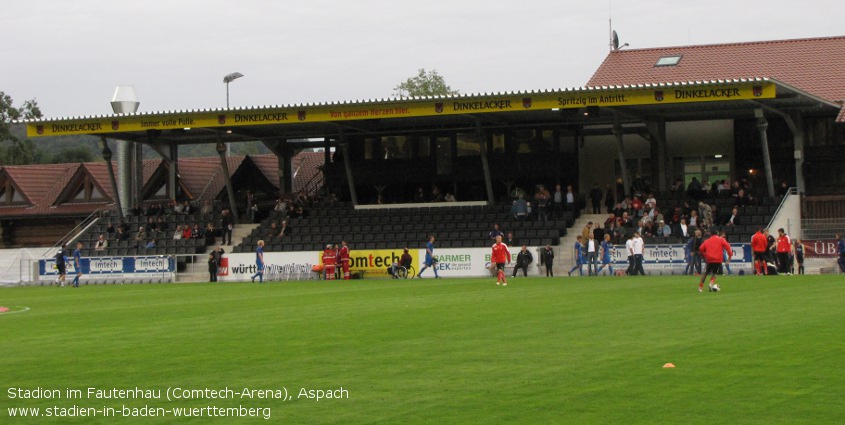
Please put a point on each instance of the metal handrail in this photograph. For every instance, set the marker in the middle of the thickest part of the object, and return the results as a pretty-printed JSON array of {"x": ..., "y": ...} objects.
[
  {"x": 87, "y": 221},
  {"x": 791, "y": 191},
  {"x": 314, "y": 184}
]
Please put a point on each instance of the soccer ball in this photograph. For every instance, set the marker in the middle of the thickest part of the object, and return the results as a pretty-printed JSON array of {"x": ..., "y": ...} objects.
[{"x": 715, "y": 288}]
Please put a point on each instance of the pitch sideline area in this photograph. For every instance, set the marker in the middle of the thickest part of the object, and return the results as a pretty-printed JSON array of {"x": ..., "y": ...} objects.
[{"x": 588, "y": 350}]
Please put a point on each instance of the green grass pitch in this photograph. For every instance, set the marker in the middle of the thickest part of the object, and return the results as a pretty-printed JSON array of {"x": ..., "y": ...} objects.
[{"x": 456, "y": 351}]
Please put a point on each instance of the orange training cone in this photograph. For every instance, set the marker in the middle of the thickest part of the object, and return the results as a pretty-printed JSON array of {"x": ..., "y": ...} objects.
[{"x": 668, "y": 365}]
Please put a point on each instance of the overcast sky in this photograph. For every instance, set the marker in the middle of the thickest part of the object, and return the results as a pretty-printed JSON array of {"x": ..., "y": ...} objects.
[{"x": 70, "y": 55}]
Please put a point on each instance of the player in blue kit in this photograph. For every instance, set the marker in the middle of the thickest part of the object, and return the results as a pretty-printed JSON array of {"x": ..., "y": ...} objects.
[
  {"x": 429, "y": 258},
  {"x": 579, "y": 256},
  {"x": 259, "y": 262},
  {"x": 606, "y": 255},
  {"x": 77, "y": 263}
]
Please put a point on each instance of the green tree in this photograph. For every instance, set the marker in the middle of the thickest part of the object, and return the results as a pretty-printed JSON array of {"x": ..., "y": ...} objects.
[
  {"x": 73, "y": 154},
  {"x": 13, "y": 149},
  {"x": 424, "y": 83}
]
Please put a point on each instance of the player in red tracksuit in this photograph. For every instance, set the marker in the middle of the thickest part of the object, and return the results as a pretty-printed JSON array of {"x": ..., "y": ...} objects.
[
  {"x": 344, "y": 260},
  {"x": 501, "y": 255},
  {"x": 713, "y": 251},
  {"x": 760, "y": 245},
  {"x": 784, "y": 249},
  {"x": 329, "y": 260}
]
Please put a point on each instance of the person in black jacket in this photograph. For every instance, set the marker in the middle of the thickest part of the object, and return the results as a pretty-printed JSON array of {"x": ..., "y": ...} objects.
[
  {"x": 547, "y": 258},
  {"x": 523, "y": 259},
  {"x": 227, "y": 224},
  {"x": 215, "y": 257}
]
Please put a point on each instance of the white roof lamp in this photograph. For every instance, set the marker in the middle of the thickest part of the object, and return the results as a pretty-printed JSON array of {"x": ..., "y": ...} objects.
[{"x": 125, "y": 101}]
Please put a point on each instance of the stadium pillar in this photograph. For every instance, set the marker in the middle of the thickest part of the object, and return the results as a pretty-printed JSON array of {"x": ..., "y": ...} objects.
[
  {"x": 619, "y": 132},
  {"x": 230, "y": 192},
  {"x": 657, "y": 129},
  {"x": 762, "y": 126},
  {"x": 123, "y": 157},
  {"x": 485, "y": 165},
  {"x": 138, "y": 177},
  {"x": 284, "y": 156},
  {"x": 107, "y": 156},
  {"x": 173, "y": 170},
  {"x": 348, "y": 166},
  {"x": 796, "y": 126}
]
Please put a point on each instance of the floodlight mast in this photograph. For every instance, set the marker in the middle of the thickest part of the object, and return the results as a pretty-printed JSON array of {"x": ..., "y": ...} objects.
[{"x": 228, "y": 79}]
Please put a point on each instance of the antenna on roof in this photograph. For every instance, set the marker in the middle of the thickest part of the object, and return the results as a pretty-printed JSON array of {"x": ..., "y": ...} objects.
[
  {"x": 614, "y": 38},
  {"x": 614, "y": 42},
  {"x": 610, "y": 24}
]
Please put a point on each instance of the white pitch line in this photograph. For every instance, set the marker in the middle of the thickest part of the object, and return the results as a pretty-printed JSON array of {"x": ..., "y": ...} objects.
[{"x": 24, "y": 309}]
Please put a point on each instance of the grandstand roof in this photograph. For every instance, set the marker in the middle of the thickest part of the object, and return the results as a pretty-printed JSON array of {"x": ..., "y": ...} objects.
[
  {"x": 812, "y": 65},
  {"x": 702, "y": 99}
]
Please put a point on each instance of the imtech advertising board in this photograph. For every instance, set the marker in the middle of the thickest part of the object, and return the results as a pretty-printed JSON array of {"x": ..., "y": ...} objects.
[
  {"x": 403, "y": 108},
  {"x": 112, "y": 267},
  {"x": 672, "y": 259}
]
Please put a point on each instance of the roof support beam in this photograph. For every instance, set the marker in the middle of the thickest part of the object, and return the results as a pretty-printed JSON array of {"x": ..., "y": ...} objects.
[
  {"x": 795, "y": 122},
  {"x": 282, "y": 150},
  {"x": 107, "y": 155},
  {"x": 230, "y": 192},
  {"x": 620, "y": 150}
]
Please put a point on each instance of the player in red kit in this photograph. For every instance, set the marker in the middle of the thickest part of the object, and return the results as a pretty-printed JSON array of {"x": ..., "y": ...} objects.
[
  {"x": 759, "y": 245},
  {"x": 344, "y": 260},
  {"x": 713, "y": 250},
  {"x": 329, "y": 259},
  {"x": 501, "y": 256}
]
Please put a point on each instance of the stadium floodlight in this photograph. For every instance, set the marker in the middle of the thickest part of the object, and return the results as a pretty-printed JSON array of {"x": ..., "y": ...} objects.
[
  {"x": 124, "y": 100},
  {"x": 228, "y": 79}
]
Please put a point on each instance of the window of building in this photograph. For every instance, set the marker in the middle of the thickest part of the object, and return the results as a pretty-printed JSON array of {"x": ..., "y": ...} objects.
[
  {"x": 468, "y": 144},
  {"x": 669, "y": 60}
]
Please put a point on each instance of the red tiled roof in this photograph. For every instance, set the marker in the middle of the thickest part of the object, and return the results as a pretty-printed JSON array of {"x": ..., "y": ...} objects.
[
  {"x": 204, "y": 175},
  {"x": 100, "y": 172},
  {"x": 42, "y": 184},
  {"x": 814, "y": 65},
  {"x": 269, "y": 166},
  {"x": 150, "y": 167},
  {"x": 305, "y": 166}
]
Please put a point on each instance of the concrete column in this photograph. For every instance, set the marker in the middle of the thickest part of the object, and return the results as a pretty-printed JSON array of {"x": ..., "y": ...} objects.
[
  {"x": 658, "y": 144},
  {"x": 347, "y": 164},
  {"x": 485, "y": 164},
  {"x": 173, "y": 170},
  {"x": 762, "y": 127},
  {"x": 286, "y": 167}
]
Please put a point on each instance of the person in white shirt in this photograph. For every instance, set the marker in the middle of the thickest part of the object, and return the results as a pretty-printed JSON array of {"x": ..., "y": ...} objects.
[
  {"x": 651, "y": 201},
  {"x": 629, "y": 248},
  {"x": 683, "y": 230},
  {"x": 637, "y": 248},
  {"x": 592, "y": 255}
]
